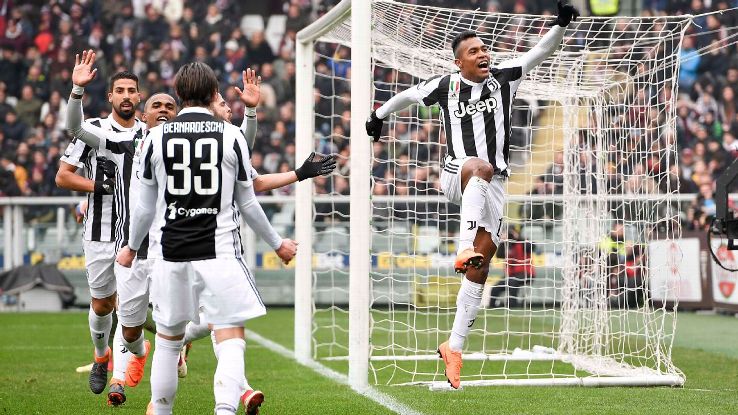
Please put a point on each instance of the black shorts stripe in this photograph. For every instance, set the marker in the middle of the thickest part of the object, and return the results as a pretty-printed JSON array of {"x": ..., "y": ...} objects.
[
  {"x": 250, "y": 279},
  {"x": 467, "y": 125}
]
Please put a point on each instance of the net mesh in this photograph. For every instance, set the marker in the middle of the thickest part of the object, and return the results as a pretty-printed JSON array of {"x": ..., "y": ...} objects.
[{"x": 593, "y": 161}]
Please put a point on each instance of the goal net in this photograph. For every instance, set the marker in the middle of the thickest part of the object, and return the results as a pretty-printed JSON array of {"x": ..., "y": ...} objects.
[{"x": 593, "y": 157}]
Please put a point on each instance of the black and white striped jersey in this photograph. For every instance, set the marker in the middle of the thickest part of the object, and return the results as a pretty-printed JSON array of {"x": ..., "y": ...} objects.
[
  {"x": 124, "y": 150},
  {"x": 106, "y": 216},
  {"x": 476, "y": 116},
  {"x": 195, "y": 161}
]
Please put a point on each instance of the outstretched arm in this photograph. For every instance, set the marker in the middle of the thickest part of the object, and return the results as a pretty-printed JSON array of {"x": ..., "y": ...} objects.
[
  {"x": 315, "y": 165},
  {"x": 549, "y": 43},
  {"x": 545, "y": 48},
  {"x": 424, "y": 93}
]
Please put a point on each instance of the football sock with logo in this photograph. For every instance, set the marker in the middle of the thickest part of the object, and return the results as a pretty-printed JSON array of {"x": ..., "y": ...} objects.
[
  {"x": 467, "y": 305},
  {"x": 136, "y": 347},
  {"x": 100, "y": 330},
  {"x": 229, "y": 376},
  {"x": 473, "y": 203},
  {"x": 121, "y": 355},
  {"x": 164, "y": 374}
]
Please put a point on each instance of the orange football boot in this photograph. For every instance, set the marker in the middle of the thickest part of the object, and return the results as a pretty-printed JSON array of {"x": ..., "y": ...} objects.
[
  {"x": 452, "y": 359},
  {"x": 467, "y": 258}
]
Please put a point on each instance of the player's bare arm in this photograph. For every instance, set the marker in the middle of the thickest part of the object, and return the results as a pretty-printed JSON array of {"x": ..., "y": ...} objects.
[
  {"x": 315, "y": 164},
  {"x": 67, "y": 178}
]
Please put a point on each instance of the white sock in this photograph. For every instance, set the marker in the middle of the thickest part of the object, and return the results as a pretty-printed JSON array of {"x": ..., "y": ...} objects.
[
  {"x": 121, "y": 355},
  {"x": 164, "y": 374},
  {"x": 467, "y": 303},
  {"x": 215, "y": 344},
  {"x": 229, "y": 376},
  {"x": 137, "y": 346},
  {"x": 100, "y": 331},
  {"x": 473, "y": 203},
  {"x": 196, "y": 331}
]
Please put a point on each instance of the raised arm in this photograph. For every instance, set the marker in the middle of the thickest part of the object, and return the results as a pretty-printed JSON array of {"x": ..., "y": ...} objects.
[
  {"x": 548, "y": 44},
  {"x": 82, "y": 74},
  {"x": 250, "y": 96},
  {"x": 248, "y": 126},
  {"x": 424, "y": 93}
]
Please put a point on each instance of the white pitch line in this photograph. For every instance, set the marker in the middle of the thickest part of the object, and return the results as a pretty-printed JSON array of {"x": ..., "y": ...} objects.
[{"x": 371, "y": 393}]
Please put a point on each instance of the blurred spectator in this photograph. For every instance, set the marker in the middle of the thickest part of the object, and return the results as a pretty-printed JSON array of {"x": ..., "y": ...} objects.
[
  {"x": 14, "y": 130},
  {"x": 28, "y": 107},
  {"x": 690, "y": 62}
]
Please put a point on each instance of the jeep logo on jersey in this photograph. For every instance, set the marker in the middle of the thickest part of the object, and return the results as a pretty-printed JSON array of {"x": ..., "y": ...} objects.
[
  {"x": 471, "y": 108},
  {"x": 174, "y": 211}
]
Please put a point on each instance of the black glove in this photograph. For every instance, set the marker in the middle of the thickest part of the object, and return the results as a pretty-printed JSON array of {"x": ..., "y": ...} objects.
[
  {"x": 106, "y": 183},
  {"x": 567, "y": 13},
  {"x": 374, "y": 126},
  {"x": 315, "y": 165},
  {"x": 107, "y": 166}
]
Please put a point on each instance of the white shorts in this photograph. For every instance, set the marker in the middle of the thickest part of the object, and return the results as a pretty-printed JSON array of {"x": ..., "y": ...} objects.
[
  {"x": 99, "y": 261},
  {"x": 133, "y": 291},
  {"x": 223, "y": 287},
  {"x": 451, "y": 187}
]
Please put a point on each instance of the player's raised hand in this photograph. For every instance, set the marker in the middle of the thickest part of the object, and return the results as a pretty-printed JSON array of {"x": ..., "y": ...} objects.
[
  {"x": 125, "y": 257},
  {"x": 374, "y": 126},
  {"x": 83, "y": 73},
  {"x": 251, "y": 93},
  {"x": 567, "y": 13},
  {"x": 287, "y": 250},
  {"x": 316, "y": 165}
]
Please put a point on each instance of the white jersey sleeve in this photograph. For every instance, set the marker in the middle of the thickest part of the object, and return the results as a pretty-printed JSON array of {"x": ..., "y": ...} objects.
[{"x": 425, "y": 93}]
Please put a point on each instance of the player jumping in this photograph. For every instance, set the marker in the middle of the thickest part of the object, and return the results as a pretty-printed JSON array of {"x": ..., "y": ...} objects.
[{"x": 476, "y": 103}]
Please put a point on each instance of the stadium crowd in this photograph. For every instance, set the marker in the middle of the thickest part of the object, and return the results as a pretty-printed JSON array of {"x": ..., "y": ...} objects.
[{"x": 152, "y": 38}]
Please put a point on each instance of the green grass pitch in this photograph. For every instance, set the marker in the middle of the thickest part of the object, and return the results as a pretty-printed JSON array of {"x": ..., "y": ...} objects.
[{"x": 39, "y": 352}]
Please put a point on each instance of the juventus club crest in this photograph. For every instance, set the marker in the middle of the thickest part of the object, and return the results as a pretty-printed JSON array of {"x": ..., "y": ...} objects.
[{"x": 492, "y": 83}]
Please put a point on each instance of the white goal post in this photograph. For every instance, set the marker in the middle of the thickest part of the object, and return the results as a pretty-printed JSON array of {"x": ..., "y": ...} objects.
[{"x": 374, "y": 286}]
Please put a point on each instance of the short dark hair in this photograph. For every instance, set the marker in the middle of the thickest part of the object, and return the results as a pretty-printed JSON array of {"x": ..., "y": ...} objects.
[
  {"x": 195, "y": 84},
  {"x": 466, "y": 34},
  {"x": 122, "y": 75}
]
